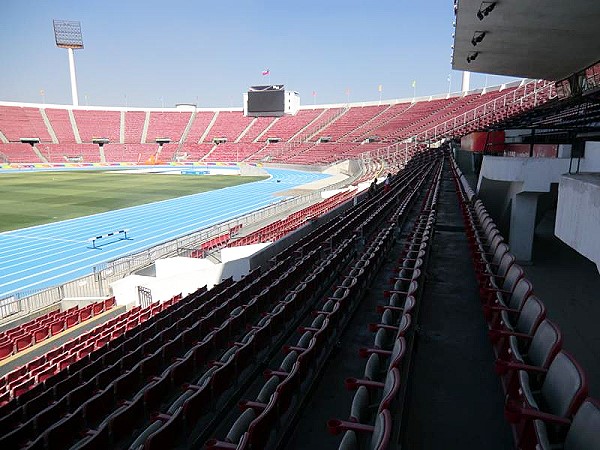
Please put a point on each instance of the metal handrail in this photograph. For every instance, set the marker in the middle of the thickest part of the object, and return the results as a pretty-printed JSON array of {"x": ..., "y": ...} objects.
[{"x": 449, "y": 128}]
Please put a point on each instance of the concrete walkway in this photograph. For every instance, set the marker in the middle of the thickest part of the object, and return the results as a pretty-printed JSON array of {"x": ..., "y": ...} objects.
[{"x": 455, "y": 397}]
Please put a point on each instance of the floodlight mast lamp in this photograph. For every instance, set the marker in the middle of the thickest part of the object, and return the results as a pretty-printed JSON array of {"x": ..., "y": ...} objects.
[{"x": 67, "y": 34}]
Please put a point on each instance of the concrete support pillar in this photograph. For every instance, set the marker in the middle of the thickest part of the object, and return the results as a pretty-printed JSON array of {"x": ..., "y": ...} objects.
[
  {"x": 466, "y": 81},
  {"x": 522, "y": 224},
  {"x": 73, "y": 77}
]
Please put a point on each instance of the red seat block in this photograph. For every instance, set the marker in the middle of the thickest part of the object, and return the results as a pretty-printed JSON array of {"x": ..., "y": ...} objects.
[
  {"x": 97, "y": 308},
  {"x": 57, "y": 326},
  {"x": 72, "y": 320},
  {"x": 23, "y": 342},
  {"x": 6, "y": 350}
]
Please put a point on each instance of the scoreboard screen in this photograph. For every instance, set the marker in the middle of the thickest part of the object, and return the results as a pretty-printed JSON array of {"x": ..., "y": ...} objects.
[{"x": 266, "y": 101}]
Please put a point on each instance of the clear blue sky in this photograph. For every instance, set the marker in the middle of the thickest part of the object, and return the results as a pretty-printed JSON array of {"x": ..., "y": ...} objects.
[{"x": 208, "y": 52}]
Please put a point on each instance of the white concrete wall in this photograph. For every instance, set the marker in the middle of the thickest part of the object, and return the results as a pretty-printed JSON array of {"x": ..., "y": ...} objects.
[
  {"x": 591, "y": 162},
  {"x": 173, "y": 276},
  {"x": 578, "y": 214},
  {"x": 202, "y": 272},
  {"x": 125, "y": 290},
  {"x": 536, "y": 174},
  {"x": 181, "y": 275},
  {"x": 236, "y": 260}
]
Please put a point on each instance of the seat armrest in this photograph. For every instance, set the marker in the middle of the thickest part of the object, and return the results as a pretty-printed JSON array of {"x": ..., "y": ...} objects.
[
  {"x": 336, "y": 426},
  {"x": 514, "y": 415},
  {"x": 503, "y": 367},
  {"x": 354, "y": 383},
  {"x": 378, "y": 326},
  {"x": 366, "y": 352}
]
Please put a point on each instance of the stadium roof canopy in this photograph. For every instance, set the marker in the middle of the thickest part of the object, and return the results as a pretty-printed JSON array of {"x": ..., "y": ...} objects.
[{"x": 542, "y": 39}]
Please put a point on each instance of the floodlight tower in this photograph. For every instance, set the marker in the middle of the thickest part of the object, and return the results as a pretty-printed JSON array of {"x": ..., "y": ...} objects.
[{"x": 67, "y": 34}]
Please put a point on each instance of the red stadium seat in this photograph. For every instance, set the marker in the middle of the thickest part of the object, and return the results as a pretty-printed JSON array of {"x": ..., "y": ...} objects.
[{"x": 6, "y": 350}]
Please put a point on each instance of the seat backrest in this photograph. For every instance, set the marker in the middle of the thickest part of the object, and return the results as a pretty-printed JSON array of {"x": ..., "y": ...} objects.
[
  {"x": 521, "y": 291},
  {"x": 540, "y": 436},
  {"x": 507, "y": 260},
  {"x": 514, "y": 274},
  {"x": 532, "y": 313},
  {"x": 565, "y": 386},
  {"x": 372, "y": 367},
  {"x": 409, "y": 303},
  {"x": 398, "y": 352},
  {"x": 349, "y": 442},
  {"x": 501, "y": 249},
  {"x": 240, "y": 426},
  {"x": 359, "y": 410},
  {"x": 485, "y": 221},
  {"x": 493, "y": 233},
  {"x": 404, "y": 325},
  {"x": 390, "y": 388},
  {"x": 495, "y": 239},
  {"x": 546, "y": 343},
  {"x": 382, "y": 338},
  {"x": 380, "y": 439},
  {"x": 584, "y": 433}
]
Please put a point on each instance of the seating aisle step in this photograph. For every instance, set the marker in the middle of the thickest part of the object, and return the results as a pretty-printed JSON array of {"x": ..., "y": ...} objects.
[{"x": 455, "y": 399}]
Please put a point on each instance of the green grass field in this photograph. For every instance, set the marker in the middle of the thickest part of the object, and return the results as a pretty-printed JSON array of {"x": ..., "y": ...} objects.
[{"x": 36, "y": 198}]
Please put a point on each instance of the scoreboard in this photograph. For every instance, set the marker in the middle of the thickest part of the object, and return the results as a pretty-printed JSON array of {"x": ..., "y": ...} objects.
[{"x": 266, "y": 101}]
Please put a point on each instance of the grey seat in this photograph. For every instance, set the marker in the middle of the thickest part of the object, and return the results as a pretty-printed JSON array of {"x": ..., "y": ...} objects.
[
  {"x": 349, "y": 441},
  {"x": 380, "y": 439},
  {"x": 494, "y": 272},
  {"x": 583, "y": 434},
  {"x": 527, "y": 320},
  {"x": 534, "y": 355},
  {"x": 511, "y": 296},
  {"x": 380, "y": 431},
  {"x": 562, "y": 392}
]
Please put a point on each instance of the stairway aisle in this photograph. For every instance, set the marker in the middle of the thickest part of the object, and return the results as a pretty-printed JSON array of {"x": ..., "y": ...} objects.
[{"x": 455, "y": 398}]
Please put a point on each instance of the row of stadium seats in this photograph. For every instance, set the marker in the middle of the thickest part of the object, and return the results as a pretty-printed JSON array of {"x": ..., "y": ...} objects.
[
  {"x": 53, "y": 323},
  {"x": 238, "y": 361},
  {"x": 179, "y": 362},
  {"x": 118, "y": 345},
  {"x": 265, "y": 415},
  {"x": 347, "y": 123},
  {"x": 484, "y": 113},
  {"x": 215, "y": 243},
  {"x": 260, "y": 286},
  {"x": 130, "y": 388},
  {"x": 17, "y": 152},
  {"x": 386, "y": 369},
  {"x": 27, "y": 377},
  {"x": 390, "y": 123},
  {"x": 545, "y": 387},
  {"x": 262, "y": 414},
  {"x": 279, "y": 228},
  {"x": 287, "y": 126}
]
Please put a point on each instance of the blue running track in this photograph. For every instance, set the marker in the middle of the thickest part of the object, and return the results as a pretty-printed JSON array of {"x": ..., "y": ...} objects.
[{"x": 47, "y": 255}]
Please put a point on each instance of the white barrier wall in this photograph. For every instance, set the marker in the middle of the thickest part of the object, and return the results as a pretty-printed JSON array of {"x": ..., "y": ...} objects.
[
  {"x": 517, "y": 182},
  {"x": 578, "y": 214},
  {"x": 236, "y": 260},
  {"x": 173, "y": 276},
  {"x": 181, "y": 275}
]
